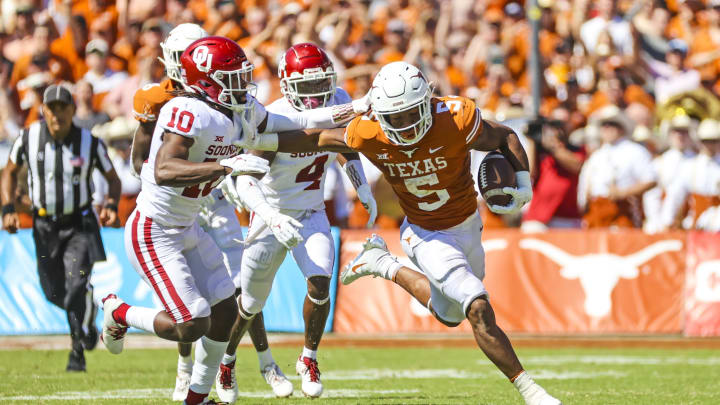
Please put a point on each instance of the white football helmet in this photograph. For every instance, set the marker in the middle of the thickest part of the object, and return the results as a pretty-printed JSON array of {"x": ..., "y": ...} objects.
[
  {"x": 400, "y": 87},
  {"x": 176, "y": 42}
]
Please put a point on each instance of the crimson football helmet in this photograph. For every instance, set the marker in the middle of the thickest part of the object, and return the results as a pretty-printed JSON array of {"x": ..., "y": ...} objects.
[
  {"x": 307, "y": 77},
  {"x": 217, "y": 69}
]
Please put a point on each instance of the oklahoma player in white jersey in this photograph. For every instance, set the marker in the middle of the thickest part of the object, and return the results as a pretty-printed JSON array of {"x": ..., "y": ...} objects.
[
  {"x": 294, "y": 186},
  {"x": 217, "y": 218}
]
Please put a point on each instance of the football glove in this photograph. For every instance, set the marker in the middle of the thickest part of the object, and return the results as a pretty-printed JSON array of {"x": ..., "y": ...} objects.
[
  {"x": 520, "y": 195},
  {"x": 246, "y": 164}
]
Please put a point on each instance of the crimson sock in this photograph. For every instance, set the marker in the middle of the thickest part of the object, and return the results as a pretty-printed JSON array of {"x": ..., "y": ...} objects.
[
  {"x": 120, "y": 313},
  {"x": 193, "y": 398}
]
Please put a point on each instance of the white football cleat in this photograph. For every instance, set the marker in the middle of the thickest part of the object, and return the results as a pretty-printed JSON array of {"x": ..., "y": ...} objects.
[
  {"x": 281, "y": 386},
  {"x": 226, "y": 384},
  {"x": 374, "y": 260},
  {"x": 532, "y": 392},
  {"x": 310, "y": 374},
  {"x": 113, "y": 335},
  {"x": 541, "y": 397},
  {"x": 182, "y": 385}
]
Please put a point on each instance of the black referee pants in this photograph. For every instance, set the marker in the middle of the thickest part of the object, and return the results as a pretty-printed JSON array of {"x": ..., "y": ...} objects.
[{"x": 64, "y": 265}]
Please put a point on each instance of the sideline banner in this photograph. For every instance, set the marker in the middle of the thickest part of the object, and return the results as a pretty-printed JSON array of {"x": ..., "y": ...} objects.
[
  {"x": 556, "y": 282},
  {"x": 25, "y": 311},
  {"x": 702, "y": 286}
]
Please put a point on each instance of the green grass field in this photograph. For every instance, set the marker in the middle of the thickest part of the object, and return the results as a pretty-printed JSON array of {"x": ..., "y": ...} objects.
[{"x": 411, "y": 375}]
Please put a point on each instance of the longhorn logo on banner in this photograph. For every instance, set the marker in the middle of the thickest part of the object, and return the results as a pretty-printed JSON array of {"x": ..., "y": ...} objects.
[{"x": 599, "y": 273}]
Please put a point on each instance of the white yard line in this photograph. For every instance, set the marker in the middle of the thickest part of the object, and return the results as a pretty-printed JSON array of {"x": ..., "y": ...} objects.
[
  {"x": 617, "y": 359},
  {"x": 146, "y": 393}
]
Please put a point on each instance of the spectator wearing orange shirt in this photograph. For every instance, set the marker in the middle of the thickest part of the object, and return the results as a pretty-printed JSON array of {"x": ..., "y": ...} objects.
[{"x": 71, "y": 45}]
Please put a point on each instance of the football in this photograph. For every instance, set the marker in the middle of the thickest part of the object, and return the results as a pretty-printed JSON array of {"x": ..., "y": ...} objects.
[{"x": 494, "y": 174}]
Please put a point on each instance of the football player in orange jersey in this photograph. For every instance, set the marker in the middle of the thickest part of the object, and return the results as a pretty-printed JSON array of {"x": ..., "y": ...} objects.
[
  {"x": 422, "y": 145},
  {"x": 147, "y": 103}
]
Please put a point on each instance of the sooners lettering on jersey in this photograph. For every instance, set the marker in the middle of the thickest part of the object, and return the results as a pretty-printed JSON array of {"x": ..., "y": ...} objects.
[
  {"x": 213, "y": 134},
  {"x": 296, "y": 180},
  {"x": 432, "y": 178},
  {"x": 148, "y": 100}
]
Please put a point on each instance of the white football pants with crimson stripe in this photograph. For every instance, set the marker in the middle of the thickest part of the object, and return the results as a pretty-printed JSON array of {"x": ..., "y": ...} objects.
[{"x": 181, "y": 264}]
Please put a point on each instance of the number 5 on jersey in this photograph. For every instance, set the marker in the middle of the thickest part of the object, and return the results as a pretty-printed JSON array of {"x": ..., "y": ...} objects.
[{"x": 430, "y": 180}]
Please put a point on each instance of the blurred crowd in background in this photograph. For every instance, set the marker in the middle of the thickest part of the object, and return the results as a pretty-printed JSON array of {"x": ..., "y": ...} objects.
[{"x": 628, "y": 134}]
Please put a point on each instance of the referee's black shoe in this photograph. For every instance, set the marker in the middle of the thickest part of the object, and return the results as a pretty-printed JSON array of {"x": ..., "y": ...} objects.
[{"x": 76, "y": 362}]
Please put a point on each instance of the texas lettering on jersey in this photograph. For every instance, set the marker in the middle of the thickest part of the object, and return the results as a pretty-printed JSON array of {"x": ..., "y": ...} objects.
[
  {"x": 416, "y": 168},
  {"x": 432, "y": 177}
]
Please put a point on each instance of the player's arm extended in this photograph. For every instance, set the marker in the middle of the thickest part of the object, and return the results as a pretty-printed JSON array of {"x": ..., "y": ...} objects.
[
  {"x": 173, "y": 169},
  {"x": 141, "y": 144},
  {"x": 332, "y": 140},
  {"x": 326, "y": 117}
]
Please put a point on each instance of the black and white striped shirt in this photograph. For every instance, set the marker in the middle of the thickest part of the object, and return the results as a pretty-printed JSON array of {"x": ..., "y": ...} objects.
[{"x": 60, "y": 174}]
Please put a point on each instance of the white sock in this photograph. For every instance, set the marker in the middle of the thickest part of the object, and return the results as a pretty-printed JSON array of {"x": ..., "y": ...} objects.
[
  {"x": 185, "y": 364},
  {"x": 526, "y": 385},
  {"x": 208, "y": 354},
  {"x": 265, "y": 358},
  {"x": 309, "y": 353},
  {"x": 228, "y": 358},
  {"x": 388, "y": 266},
  {"x": 141, "y": 318}
]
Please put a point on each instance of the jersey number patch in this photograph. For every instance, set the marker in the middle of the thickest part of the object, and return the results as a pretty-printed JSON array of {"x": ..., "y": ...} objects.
[
  {"x": 313, "y": 173},
  {"x": 184, "y": 120},
  {"x": 449, "y": 105},
  {"x": 194, "y": 190},
  {"x": 430, "y": 179}
]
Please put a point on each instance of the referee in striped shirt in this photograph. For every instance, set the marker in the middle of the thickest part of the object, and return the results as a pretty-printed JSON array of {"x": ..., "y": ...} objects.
[{"x": 60, "y": 158}]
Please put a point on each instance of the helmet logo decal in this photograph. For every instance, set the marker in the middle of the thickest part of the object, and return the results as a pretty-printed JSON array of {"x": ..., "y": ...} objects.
[{"x": 202, "y": 55}]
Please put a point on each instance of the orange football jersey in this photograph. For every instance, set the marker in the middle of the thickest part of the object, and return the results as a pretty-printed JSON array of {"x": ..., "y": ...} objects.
[
  {"x": 432, "y": 177},
  {"x": 148, "y": 101}
]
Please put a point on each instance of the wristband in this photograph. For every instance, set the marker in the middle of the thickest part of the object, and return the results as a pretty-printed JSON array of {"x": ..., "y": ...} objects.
[
  {"x": 8, "y": 209},
  {"x": 111, "y": 206}
]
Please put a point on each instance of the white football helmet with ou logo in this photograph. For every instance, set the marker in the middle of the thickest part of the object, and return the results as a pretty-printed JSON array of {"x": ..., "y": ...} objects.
[
  {"x": 175, "y": 44},
  {"x": 400, "y": 87}
]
